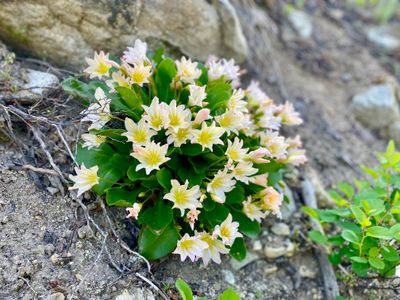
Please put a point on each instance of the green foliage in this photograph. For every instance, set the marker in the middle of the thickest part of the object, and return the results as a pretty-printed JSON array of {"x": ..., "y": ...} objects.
[
  {"x": 367, "y": 220},
  {"x": 187, "y": 294}
]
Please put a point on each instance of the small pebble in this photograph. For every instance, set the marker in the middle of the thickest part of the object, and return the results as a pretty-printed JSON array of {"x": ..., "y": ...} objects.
[
  {"x": 281, "y": 229},
  {"x": 57, "y": 296}
]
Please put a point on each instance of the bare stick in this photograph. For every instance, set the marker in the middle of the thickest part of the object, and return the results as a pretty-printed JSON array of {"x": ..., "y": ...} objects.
[
  {"x": 40, "y": 170},
  {"x": 162, "y": 294},
  {"x": 328, "y": 274}
]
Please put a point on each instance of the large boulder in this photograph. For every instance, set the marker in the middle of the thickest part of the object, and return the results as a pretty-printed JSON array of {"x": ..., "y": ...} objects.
[{"x": 66, "y": 31}]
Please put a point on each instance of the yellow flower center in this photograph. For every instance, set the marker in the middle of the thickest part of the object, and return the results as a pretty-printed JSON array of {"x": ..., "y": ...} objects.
[
  {"x": 174, "y": 119},
  {"x": 226, "y": 121},
  {"x": 139, "y": 136},
  {"x": 138, "y": 76},
  {"x": 156, "y": 121},
  {"x": 205, "y": 137},
  {"x": 225, "y": 232},
  {"x": 180, "y": 197},
  {"x": 91, "y": 178},
  {"x": 152, "y": 157},
  {"x": 102, "y": 68},
  {"x": 233, "y": 154}
]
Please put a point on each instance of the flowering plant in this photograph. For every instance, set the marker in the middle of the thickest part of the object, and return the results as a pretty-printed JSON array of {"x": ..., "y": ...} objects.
[{"x": 193, "y": 157}]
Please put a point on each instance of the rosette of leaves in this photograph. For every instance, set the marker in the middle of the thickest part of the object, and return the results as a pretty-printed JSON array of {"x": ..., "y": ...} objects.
[
  {"x": 366, "y": 219},
  {"x": 123, "y": 184}
]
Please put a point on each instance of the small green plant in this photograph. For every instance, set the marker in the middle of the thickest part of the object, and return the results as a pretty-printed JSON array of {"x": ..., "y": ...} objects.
[
  {"x": 366, "y": 219},
  {"x": 187, "y": 294}
]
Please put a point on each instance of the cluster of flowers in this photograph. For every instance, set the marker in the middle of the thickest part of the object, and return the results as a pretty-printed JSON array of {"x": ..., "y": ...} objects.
[{"x": 246, "y": 126}]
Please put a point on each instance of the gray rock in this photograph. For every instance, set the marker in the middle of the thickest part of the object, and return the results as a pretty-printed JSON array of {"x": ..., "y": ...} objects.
[
  {"x": 307, "y": 272},
  {"x": 66, "y": 31},
  {"x": 277, "y": 251},
  {"x": 301, "y": 23},
  {"x": 250, "y": 257},
  {"x": 394, "y": 131},
  {"x": 288, "y": 208},
  {"x": 85, "y": 232},
  {"x": 57, "y": 296},
  {"x": 281, "y": 229},
  {"x": 228, "y": 276},
  {"x": 381, "y": 37},
  {"x": 136, "y": 294},
  {"x": 377, "y": 107}
]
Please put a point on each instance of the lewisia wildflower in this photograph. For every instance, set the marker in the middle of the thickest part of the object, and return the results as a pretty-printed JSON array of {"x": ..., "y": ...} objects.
[
  {"x": 179, "y": 136},
  {"x": 98, "y": 113},
  {"x": 192, "y": 217},
  {"x": 138, "y": 134},
  {"x": 271, "y": 200},
  {"x": 225, "y": 69},
  {"x": 151, "y": 156},
  {"x": 137, "y": 54},
  {"x": 187, "y": 71},
  {"x": 178, "y": 116},
  {"x": 256, "y": 96},
  {"x": 228, "y": 231},
  {"x": 252, "y": 211},
  {"x": 197, "y": 95},
  {"x": 235, "y": 152},
  {"x": 257, "y": 156},
  {"x": 191, "y": 247},
  {"x": 236, "y": 101},
  {"x": 231, "y": 120},
  {"x": 268, "y": 119},
  {"x": 92, "y": 140},
  {"x": 182, "y": 197},
  {"x": 99, "y": 66},
  {"x": 118, "y": 79},
  {"x": 222, "y": 183},
  {"x": 202, "y": 115},
  {"x": 84, "y": 179},
  {"x": 296, "y": 157},
  {"x": 208, "y": 136},
  {"x": 275, "y": 144},
  {"x": 243, "y": 171},
  {"x": 140, "y": 74},
  {"x": 261, "y": 179},
  {"x": 133, "y": 212},
  {"x": 156, "y": 114},
  {"x": 288, "y": 115},
  {"x": 215, "y": 248}
]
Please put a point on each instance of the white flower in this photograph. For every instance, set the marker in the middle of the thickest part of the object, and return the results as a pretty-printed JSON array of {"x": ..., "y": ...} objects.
[
  {"x": 178, "y": 116},
  {"x": 187, "y": 71},
  {"x": 235, "y": 152},
  {"x": 268, "y": 119},
  {"x": 243, "y": 171},
  {"x": 138, "y": 134},
  {"x": 225, "y": 69},
  {"x": 99, "y": 66},
  {"x": 179, "y": 136},
  {"x": 137, "y": 53},
  {"x": 208, "y": 136},
  {"x": 133, "y": 212},
  {"x": 119, "y": 79},
  {"x": 192, "y": 217},
  {"x": 275, "y": 144},
  {"x": 296, "y": 157},
  {"x": 98, "y": 113},
  {"x": 156, "y": 114},
  {"x": 256, "y": 96},
  {"x": 215, "y": 248},
  {"x": 151, "y": 156},
  {"x": 257, "y": 156},
  {"x": 197, "y": 95},
  {"x": 84, "y": 179},
  {"x": 215, "y": 70},
  {"x": 288, "y": 115},
  {"x": 231, "y": 120},
  {"x": 221, "y": 184},
  {"x": 182, "y": 197},
  {"x": 191, "y": 247},
  {"x": 236, "y": 101},
  {"x": 92, "y": 140},
  {"x": 227, "y": 231},
  {"x": 231, "y": 71},
  {"x": 271, "y": 200},
  {"x": 202, "y": 115},
  {"x": 140, "y": 74},
  {"x": 252, "y": 211}
]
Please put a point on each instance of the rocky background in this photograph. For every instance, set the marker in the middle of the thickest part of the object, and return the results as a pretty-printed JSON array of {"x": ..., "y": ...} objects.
[{"x": 333, "y": 59}]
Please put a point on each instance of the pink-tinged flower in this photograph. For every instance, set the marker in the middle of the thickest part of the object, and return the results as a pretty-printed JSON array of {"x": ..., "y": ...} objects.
[
  {"x": 84, "y": 179},
  {"x": 268, "y": 119},
  {"x": 222, "y": 183},
  {"x": 151, "y": 156},
  {"x": 100, "y": 65},
  {"x": 183, "y": 197},
  {"x": 288, "y": 115},
  {"x": 191, "y": 247},
  {"x": 201, "y": 116},
  {"x": 256, "y": 96},
  {"x": 133, "y": 212},
  {"x": 197, "y": 95},
  {"x": 137, "y": 53},
  {"x": 294, "y": 143},
  {"x": 275, "y": 143},
  {"x": 271, "y": 200},
  {"x": 187, "y": 71},
  {"x": 252, "y": 211},
  {"x": 296, "y": 157},
  {"x": 192, "y": 217},
  {"x": 215, "y": 248},
  {"x": 243, "y": 172},
  {"x": 261, "y": 179},
  {"x": 257, "y": 156},
  {"x": 228, "y": 231}
]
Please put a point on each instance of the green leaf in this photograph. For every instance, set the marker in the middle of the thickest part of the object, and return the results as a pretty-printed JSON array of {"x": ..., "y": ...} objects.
[
  {"x": 373, "y": 252},
  {"x": 248, "y": 227},
  {"x": 395, "y": 231},
  {"x": 379, "y": 232},
  {"x": 361, "y": 269},
  {"x": 215, "y": 216},
  {"x": 389, "y": 253},
  {"x": 351, "y": 236},
  {"x": 360, "y": 216},
  {"x": 238, "y": 249},
  {"x": 376, "y": 262},
  {"x": 349, "y": 226},
  {"x": 134, "y": 175},
  {"x": 156, "y": 217},
  {"x": 81, "y": 89},
  {"x": 130, "y": 98},
  {"x": 346, "y": 189},
  {"x": 236, "y": 195},
  {"x": 218, "y": 94},
  {"x": 158, "y": 55},
  {"x": 358, "y": 259},
  {"x": 184, "y": 289},
  {"x": 339, "y": 200},
  {"x": 164, "y": 177},
  {"x": 166, "y": 72},
  {"x": 311, "y": 212},
  {"x": 191, "y": 149},
  {"x": 154, "y": 246},
  {"x": 188, "y": 173},
  {"x": 317, "y": 237},
  {"x": 200, "y": 166},
  {"x": 229, "y": 294},
  {"x": 119, "y": 196}
]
